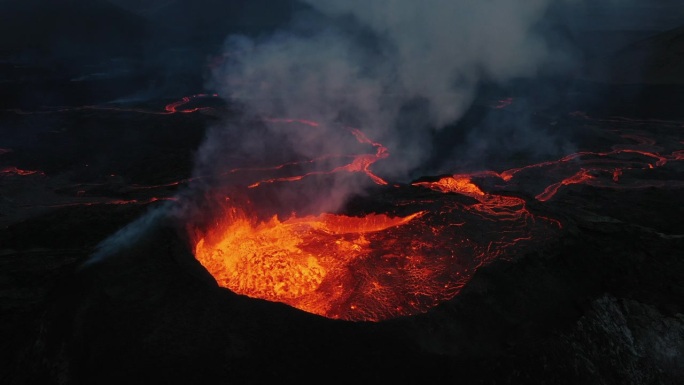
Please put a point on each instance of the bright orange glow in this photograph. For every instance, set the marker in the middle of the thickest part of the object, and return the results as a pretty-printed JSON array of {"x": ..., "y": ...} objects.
[
  {"x": 421, "y": 247},
  {"x": 456, "y": 184},
  {"x": 304, "y": 262},
  {"x": 491, "y": 206},
  {"x": 580, "y": 177},
  {"x": 380, "y": 266},
  {"x": 371, "y": 267}
]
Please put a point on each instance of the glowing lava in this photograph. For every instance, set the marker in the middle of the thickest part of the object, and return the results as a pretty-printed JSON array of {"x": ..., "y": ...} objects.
[
  {"x": 359, "y": 163},
  {"x": 370, "y": 267},
  {"x": 580, "y": 177},
  {"x": 455, "y": 184},
  {"x": 379, "y": 266},
  {"x": 417, "y": 252},
  {"x": 303, "y": 262},
  {"x": 376, "y": 266}
]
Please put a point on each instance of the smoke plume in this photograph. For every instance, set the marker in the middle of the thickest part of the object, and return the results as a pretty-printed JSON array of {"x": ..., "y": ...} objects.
[{"x": 396, "y": 69}]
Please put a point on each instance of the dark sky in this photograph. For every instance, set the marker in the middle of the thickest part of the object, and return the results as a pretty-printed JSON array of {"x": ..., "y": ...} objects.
[
  {"x": 656, "y": 15},
  {"x": 581, "y": 14}
]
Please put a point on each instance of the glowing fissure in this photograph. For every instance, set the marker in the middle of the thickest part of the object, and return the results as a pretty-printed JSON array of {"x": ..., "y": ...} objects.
[
  {"x": 678, "y": 155},
  {"x": 580, "y": 177},
  {"x": 592, "y": 162},
  {"x": 359, "y": 163}
]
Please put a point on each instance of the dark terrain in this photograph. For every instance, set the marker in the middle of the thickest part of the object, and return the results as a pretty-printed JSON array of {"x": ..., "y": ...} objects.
[{"x": 86, "y": 148}]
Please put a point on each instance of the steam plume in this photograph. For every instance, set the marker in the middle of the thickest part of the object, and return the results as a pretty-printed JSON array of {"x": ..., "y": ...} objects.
[{"x": 397, "y": 69}]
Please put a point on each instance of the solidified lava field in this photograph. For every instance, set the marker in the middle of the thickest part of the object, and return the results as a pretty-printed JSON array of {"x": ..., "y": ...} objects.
[
  {"x": 123, "y": 261},
  {"x": 597, "y": 260}
]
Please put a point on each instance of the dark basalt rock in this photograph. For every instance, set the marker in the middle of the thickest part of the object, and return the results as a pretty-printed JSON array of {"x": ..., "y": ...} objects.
[{"x": 601, "y": 303}]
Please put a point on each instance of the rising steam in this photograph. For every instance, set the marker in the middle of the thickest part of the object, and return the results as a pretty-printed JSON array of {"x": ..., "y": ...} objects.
[{"x": 396, "y": 69}]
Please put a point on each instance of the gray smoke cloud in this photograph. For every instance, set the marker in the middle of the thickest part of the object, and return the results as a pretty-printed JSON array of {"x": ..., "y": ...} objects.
[
  {"x": 129, "y": 235},
  {"x": 397, "y": 69}
]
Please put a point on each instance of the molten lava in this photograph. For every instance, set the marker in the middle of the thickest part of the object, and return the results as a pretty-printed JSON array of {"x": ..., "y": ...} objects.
[
  {"x": 359, "y": 162},
  {"x": 376, "y": 266},
  {"x": 455, "y": 184},
  {"x": 418, "y": 250},
  {"x": 379, "y": 266},
  {"x": 304, "y": 262},
  {"x": 371, "y": 267}
]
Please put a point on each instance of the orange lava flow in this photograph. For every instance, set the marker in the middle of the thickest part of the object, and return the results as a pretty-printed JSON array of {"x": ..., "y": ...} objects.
[
  {"x": 490, "y": 206},
  {"x": 455, "y": 184},
  {"x": 373, "y": 267},
  {"x": 359, "y": 163},
  {"x": 380, "y": 266},
  {"x": 363, "y": 268},
  {"x": 591, "y": 162},
  {"x": 302, "y": 262},
  {"x": 580, "y": 177}
]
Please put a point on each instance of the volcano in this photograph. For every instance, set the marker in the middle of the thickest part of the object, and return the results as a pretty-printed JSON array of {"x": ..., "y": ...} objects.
[
  {"x": 135, "y": 251},
  {"x": 540, "y": 252},
  {"x": 371, "y": 266}
]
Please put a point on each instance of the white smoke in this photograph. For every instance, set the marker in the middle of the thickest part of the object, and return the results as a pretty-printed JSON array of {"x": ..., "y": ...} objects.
[
  {"x": 442, "y": 48},
  {"x": 129, "y": 235},
  {"x": 433, "y": 49}
]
